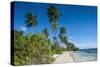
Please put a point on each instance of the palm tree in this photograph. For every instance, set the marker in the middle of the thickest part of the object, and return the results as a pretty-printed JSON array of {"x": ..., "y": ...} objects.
[
  {"x": 56, "y": 42},
  {"x": 62, "y": 35},
  {"x": 65, "y": 40},
  {"x": 54, "y": 38},
  {"x": 63, "y": 30},
  {"x": 53, "y": 16},
  {"x": 31, "y": 20},
  {"x": 54, "y": 26},
  {"x": 45, "y": 31}
]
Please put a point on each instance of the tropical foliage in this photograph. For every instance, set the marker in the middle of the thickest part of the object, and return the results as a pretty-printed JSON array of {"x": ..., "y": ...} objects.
[
  {"x": 56, "y": 48},
  {"x": 33, "y": 48},
  {"x": 31, "y": 20},
  {"x": 53, "y": 16},
  {"x": 62, "y": 35},
  {"x": 71, "y": 47},
  {"x": 39, "y": 48}
]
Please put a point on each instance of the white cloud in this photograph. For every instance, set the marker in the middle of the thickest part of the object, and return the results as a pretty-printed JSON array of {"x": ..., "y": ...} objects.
[{"x": 23, "y": 28}]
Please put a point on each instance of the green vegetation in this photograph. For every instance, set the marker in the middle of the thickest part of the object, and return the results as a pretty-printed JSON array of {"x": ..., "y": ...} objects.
[
  {"x": 30, "y": 20},
  {"x": 62, "y": 35},
  {"x": 71, "y": 47},
  {"x": 56, "y": 46},
  {"x": 39, "y": 48},
  {"x": 53, "y": 16},
  {"x": 63, "y": 38},
  {"x": 33, "y": 48}
]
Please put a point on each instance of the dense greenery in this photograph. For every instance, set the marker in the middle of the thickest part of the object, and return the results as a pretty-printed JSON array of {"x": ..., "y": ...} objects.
[
  {"x": 33, "y": 48},
  {"x": 56, "y": 48},
  {"x": 39, "y": 48},
  {"x": 71, "y": 47}
]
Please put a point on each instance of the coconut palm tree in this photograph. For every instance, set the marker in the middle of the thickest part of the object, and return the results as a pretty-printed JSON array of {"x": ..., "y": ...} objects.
[
  {"x": 53, "y": 16},
  {"x": 31, "y": 20},
  {"x": 54, "y": 38},
  {"x": 54, "y": 26},
  {"x": 45, "y": 31},
  {"x": 65, "y": 40},
  {"x": 62, "y": 35},
  {"x": 63, "y": 30}
]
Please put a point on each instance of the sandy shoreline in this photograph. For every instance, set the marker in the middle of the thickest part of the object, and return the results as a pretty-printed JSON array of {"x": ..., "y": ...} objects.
[{"x": 65, "y": 57}]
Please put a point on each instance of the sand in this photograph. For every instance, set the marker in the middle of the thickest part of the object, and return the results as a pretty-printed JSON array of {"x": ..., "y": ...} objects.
[{"x": 65, "y": 57}]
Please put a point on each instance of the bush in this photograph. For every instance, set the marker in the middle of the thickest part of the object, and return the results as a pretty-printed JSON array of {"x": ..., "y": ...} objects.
[
  {"x": 31, "y": 49},
  {"x": 56, "y": 49}
]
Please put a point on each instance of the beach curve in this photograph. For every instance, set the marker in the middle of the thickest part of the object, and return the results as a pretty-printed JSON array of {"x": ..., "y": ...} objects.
[{"x": 65, "y": 57}]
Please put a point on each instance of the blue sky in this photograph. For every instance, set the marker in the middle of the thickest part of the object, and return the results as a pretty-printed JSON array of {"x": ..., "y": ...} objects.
[{"x": 80, "y": 21}]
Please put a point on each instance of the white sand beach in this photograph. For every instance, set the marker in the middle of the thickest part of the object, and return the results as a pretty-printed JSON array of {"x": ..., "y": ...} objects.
[{"x": 65, "y": 57}]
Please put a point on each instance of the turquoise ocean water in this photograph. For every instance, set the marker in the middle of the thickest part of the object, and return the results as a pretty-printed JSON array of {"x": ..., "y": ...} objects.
[{"x": 85, "y": 55}]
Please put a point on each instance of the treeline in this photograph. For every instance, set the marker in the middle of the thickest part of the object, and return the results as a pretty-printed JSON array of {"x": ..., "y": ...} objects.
[{"x": 39, "y": 48}]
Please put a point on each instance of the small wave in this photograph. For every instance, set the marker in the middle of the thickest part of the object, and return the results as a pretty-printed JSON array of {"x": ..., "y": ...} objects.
[{"x": 79, "y": 56}]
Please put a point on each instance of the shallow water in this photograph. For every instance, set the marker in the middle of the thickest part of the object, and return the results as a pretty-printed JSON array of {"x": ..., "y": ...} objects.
[{"x": 84, "y": 55}]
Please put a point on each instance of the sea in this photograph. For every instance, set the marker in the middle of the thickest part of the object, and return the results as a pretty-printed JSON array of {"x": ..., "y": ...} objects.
[{"x": 85, "y": 55}]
